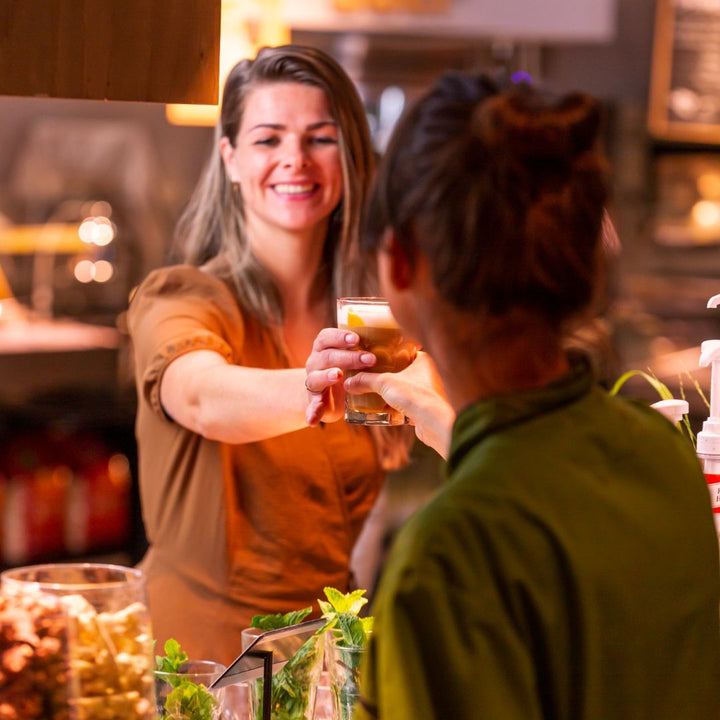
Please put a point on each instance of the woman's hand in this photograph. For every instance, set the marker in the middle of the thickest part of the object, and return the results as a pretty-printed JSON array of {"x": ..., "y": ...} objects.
[
  {"x": 417, "y": 392},
  {"x": 334, "y": 352}
]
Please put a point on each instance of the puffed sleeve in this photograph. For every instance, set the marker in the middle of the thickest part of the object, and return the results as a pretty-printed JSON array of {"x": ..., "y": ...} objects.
[{"x": 175, "y": 310}]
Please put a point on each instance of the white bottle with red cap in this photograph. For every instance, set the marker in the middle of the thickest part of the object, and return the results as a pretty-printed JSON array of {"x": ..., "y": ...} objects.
[{"x": 708, "y": 439}]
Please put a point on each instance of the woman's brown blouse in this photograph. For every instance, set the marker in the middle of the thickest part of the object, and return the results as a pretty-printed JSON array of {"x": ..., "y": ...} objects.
[{"x": 235, "y": 530}]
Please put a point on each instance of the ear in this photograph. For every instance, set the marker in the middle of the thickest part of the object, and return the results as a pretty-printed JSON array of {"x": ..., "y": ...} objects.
[
  {"x": 399, "y": 268},
  {"x": 227, "y": 152}
]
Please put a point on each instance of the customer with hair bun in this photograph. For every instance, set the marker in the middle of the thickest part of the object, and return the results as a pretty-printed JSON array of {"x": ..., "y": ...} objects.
[{"x": 568, "y": 567}]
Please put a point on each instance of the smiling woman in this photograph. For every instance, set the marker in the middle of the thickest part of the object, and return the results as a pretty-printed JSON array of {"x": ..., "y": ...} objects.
[{"x": 247, "y": 509}]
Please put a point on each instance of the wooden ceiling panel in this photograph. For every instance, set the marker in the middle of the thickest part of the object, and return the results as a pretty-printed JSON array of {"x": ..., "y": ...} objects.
[{"x": 142, "y": 50}]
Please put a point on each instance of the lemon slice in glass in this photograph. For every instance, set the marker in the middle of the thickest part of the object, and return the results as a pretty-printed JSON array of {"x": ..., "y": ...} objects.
[{"x": 354, "y": 320}]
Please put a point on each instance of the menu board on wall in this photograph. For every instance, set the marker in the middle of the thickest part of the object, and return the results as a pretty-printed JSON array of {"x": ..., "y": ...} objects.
[{"x": 685, "y": 87}]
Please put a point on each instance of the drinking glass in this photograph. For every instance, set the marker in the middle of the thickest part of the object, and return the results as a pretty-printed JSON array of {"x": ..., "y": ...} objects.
[
  {"x": 344, "y": 663},
  {"x": 177, "y": 699},
  {"x": 371, "y": 319}
]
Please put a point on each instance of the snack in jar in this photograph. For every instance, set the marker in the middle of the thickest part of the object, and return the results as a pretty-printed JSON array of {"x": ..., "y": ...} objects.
[{"x": 34, "y": 658}]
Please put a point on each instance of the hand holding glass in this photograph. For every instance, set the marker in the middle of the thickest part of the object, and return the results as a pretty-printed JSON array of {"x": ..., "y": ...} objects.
[{"x": 371, "y": 319}]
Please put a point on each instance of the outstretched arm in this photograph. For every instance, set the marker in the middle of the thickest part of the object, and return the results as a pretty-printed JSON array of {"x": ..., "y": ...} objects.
[{"x": 220, "y": 401}]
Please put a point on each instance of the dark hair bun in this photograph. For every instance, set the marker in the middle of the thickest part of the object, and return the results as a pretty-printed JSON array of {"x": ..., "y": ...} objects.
[{"x": 519, "y": 124}]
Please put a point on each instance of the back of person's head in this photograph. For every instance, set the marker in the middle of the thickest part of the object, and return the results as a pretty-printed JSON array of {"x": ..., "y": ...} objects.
[{"x": 503, "y": 191}]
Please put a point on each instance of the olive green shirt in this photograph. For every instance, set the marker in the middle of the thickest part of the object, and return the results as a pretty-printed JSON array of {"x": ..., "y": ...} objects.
[{"x": 568, "y": 570}]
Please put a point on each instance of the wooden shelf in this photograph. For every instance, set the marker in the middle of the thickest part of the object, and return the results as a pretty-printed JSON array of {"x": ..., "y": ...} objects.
[{"x": 142, "y": 50}]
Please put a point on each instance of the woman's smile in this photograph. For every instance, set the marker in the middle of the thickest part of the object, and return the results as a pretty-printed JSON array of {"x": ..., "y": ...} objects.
[{"x": 295, "y": 189}]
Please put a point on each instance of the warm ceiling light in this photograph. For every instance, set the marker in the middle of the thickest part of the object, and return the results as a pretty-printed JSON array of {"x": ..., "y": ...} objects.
[
  {"x": 706, "y": 214},
  {"x": 46, "y": 238},
  {"x": 84, "y": 271},
  {"x": 192, "y": 114},
  {"x": 103, "y": 271},
  {"x": 96, "y": 231}
]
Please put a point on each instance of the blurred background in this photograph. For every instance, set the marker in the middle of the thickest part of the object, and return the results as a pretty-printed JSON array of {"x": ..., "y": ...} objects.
[{"x": 94, "y": 174}]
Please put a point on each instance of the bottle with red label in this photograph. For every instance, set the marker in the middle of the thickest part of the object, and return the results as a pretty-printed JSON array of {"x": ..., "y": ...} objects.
[{"x": 708, "y": 439}]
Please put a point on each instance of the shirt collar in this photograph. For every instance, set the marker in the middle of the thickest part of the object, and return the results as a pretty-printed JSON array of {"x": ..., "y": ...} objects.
[{"x": 492, "y": 414}]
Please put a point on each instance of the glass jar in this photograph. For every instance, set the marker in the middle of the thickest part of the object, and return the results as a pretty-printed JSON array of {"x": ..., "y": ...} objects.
[{"x": 110, "y": 640}]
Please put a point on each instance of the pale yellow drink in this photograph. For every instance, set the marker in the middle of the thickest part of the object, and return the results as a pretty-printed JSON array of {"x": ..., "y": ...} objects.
[{"x": 372, "y": 321}]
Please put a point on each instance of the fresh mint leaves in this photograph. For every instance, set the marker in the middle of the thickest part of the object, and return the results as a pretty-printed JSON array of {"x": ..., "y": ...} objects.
[
  {"x": 273, "y": 622},
  {"x": 186, "y": 700},
  {"x": 341, "y": 612},
  {"x": 173, "y": 659}
]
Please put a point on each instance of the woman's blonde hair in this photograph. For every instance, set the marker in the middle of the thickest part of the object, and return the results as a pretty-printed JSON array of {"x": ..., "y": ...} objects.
[{"x": 211, "y": 231}]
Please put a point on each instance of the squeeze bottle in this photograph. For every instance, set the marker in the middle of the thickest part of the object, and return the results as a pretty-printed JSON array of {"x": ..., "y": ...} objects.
[{"x": 708, "y": 439}]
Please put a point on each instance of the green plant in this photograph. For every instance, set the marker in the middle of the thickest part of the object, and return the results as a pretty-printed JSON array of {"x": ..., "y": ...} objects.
[
  {"x": 664, "y": 393},
  {"x": 187, "y": 700},
  {"x": 342, "y": 613}
]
